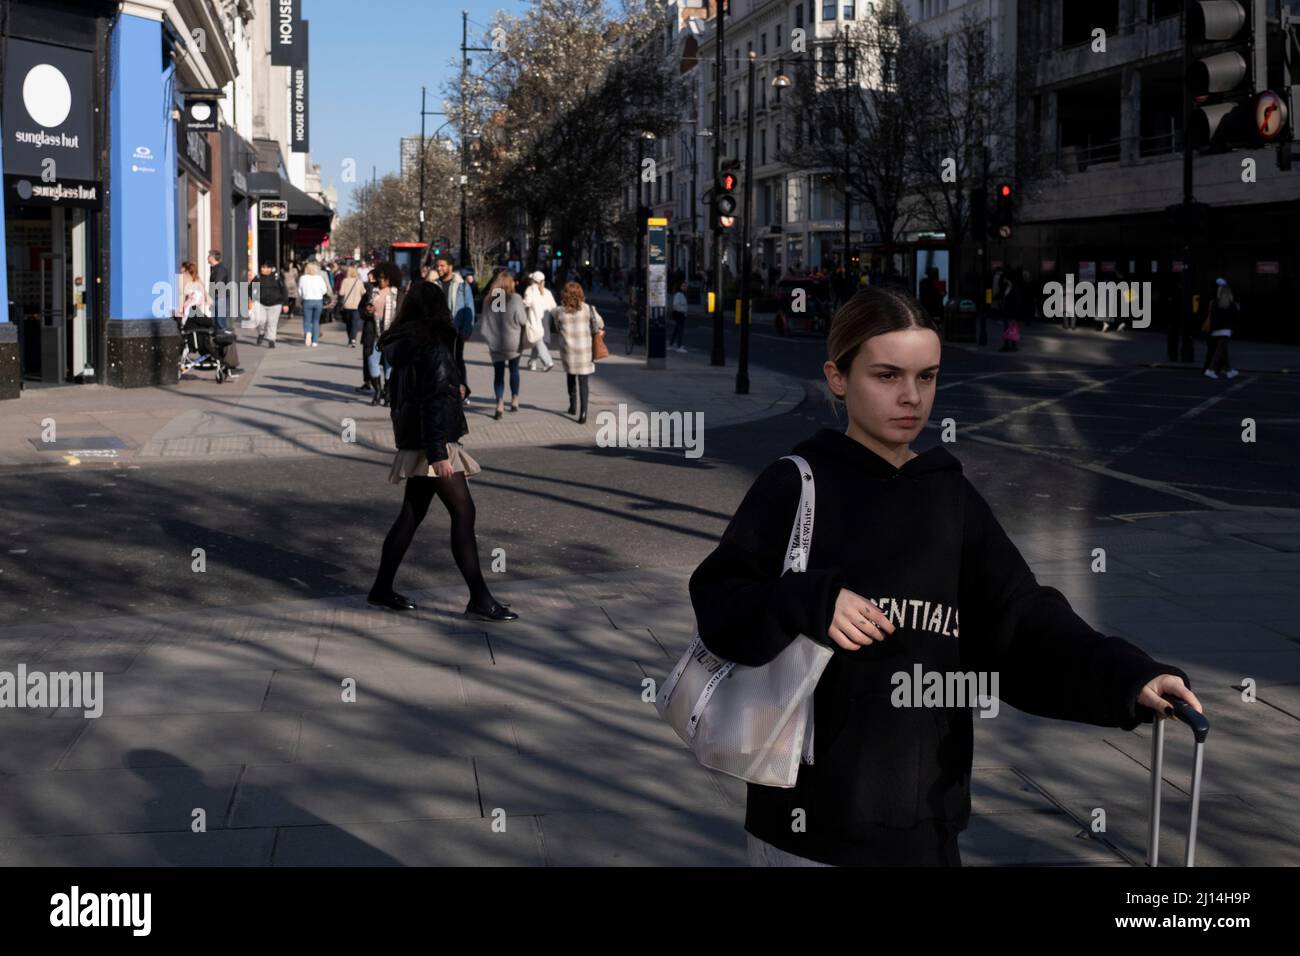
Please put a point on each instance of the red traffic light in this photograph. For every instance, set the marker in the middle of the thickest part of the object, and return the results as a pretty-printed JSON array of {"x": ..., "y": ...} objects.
[
  {"x": 1004, "y": 190},
  {"x": 727, "y": 181}
]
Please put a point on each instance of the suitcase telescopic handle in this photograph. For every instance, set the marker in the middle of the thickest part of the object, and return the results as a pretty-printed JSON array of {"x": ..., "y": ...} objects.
[{"x": 1200, "y": 726}]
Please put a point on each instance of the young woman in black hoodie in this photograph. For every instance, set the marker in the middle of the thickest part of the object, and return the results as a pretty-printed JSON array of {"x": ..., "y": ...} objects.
[
  {"x": 906, "y": 555},
  {"x": 425, "y": 393}
]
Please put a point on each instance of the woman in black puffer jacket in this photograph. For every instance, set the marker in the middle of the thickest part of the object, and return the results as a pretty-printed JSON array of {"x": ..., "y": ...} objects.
[{"x": 425, "y": 393}]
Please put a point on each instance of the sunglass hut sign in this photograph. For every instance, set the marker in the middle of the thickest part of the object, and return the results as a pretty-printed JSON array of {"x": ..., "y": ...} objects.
[{"x": 48, "y": 110}]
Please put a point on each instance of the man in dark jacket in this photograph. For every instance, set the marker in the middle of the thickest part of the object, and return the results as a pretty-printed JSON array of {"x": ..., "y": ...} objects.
[
  {"x": 268, "y": 300},
  {"x": 219, "y": 289}
]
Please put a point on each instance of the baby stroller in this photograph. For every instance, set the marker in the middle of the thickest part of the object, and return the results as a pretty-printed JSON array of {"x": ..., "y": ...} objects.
[{"x": 203, "y": 347}]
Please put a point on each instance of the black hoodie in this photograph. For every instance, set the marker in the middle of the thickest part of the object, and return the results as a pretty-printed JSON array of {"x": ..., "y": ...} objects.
[{"x": 922, "y": 544}]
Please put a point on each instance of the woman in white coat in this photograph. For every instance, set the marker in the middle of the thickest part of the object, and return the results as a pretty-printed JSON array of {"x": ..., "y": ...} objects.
[{"x": 538, "y": 301}]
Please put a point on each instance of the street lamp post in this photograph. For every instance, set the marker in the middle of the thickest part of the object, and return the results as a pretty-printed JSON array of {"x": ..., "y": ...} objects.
[
  {"x": 742, "y": 370},
  {"x": 465, "y": 49},
  {"x": 718, "y": 355}
]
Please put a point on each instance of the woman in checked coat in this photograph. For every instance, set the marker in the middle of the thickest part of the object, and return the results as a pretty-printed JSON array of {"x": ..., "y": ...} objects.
[{"x": 576, "y": 323}]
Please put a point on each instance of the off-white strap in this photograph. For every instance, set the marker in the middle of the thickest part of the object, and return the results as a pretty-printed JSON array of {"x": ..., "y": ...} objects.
[
  {"x": 796, "y": 553},
  {"x": 796, "y": 559}
]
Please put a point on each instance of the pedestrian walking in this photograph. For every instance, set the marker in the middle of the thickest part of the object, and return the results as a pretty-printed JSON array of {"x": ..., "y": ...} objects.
[
  {"x": 503, "y": 320},
  {"x": 351, "y": 292},
  {"x": 291, "y": 276},
  {"x": 1012, "y": 307},
  {"x": 378, "y": 316},
  {"x": 194, "y": 297},
  {"x": 889, "y": 782},
  {"x": 576, "y": 323},
  {"x": 1217, "y": 327},
  {"x": 311, "y": 286},
  {"x": 538, "y": 302},
  {"x": 680, "y": 307},
  {"x": 268, "y": 301},
  {"x": 219, "y": 290},
  {"x": 461, "y": 303},
  {"x": 428, "y": 422}
]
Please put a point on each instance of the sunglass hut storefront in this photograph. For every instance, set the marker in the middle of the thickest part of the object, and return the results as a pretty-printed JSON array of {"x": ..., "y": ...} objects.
[{"x": 53, "y": 198}]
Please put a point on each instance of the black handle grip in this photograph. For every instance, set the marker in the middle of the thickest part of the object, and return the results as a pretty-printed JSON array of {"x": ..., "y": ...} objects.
[{"x": 1191, "y": 717}]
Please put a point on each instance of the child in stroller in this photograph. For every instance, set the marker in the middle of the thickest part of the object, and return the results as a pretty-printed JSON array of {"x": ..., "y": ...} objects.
[{"x": 204, "y": 347}]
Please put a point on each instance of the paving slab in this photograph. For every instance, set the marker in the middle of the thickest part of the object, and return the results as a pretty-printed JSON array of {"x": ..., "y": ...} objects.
[
  {"x": 295, "y": 691},
  {"x": 682, "y": 838},
  {"x": 214, "y": 848},
  {"x": 400, "y": 731},
  {"x": 523, "y": 678},
  {"x": 358, "y": 791},
  {"x": 413, "y": 843},
  {"x": 194, "y": 740},
  {"x": 632, "y": 781},
  {"x": 142, "y": 799}
]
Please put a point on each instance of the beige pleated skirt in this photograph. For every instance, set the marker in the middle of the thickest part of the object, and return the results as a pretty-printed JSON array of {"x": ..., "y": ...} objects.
[{"x": 413, "y": 464}]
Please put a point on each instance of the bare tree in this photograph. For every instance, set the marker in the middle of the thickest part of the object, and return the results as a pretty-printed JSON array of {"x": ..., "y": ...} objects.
[
  {"x": 857, "y": 116},
  {"x": 558, "y": 109},
  {"x": 961, "y": 104}
]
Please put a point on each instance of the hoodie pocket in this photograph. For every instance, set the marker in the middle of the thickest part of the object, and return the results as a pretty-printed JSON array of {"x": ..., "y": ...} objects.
[{"x": 870, "y": 774}]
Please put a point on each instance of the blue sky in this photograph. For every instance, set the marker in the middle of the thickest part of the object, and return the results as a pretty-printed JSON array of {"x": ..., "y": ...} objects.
[{"x": 368, "y": 61}]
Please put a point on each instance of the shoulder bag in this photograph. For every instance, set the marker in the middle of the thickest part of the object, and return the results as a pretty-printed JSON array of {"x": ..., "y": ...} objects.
[{"x": 755, "y": 723}]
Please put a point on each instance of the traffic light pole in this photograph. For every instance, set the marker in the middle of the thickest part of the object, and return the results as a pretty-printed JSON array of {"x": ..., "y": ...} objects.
[{"x": 718, "y": 355}]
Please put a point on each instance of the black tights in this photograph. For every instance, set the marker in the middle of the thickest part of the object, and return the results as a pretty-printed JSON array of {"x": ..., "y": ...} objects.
[
  {"x": 454, "y": 492},
  {"x": 578, "y": 386}
]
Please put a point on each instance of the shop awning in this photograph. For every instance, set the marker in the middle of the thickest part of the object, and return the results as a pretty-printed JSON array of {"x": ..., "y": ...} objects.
[{"x": 301, "y": 206}]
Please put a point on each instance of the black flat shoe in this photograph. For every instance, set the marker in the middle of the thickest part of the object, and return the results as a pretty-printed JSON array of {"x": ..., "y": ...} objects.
[
  {"x": 497, "y": 612},
  {"x": 582, "y": 419},
  {"x": 393, "y": 601}
]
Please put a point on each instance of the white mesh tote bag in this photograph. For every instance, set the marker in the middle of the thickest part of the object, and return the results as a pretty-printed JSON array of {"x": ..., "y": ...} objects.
[{"x": 755, "y": 723}]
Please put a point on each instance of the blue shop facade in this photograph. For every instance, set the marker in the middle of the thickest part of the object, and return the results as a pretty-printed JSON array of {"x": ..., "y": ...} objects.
[{"x": 89, "y": 146}]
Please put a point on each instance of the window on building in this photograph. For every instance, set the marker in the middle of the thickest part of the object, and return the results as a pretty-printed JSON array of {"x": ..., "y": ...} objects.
[
  {"x": 776, "y": 141},
  {"x": 850, "y": 10},
  {"x": 735, "y": 102},
  {"x": 850, "y": 63},
  {"x": 762, "y": 43},
  {"x": 777, "y": 41},
  {"x": 735, "y": 146},
  {"x": 669, "y": 190},
  {"x": 762, "y": 146},
  {"x": 828, "y": 9},
  {"x": 762, "y": 85},
  {"x": 828, "y": 62},
  {"x": 749, "y": 48},
  {"x": 888, "y": 68},
  {"x": 798, "y": 16}
]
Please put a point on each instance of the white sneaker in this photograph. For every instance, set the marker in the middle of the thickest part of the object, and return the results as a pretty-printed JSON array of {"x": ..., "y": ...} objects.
[
  {"x": 315, "y": 345},
  {"x": 306, "y": 340},
  {"x": 1211, "y": 373},
  {"x": 1232, "y": 373}
]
